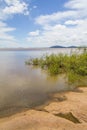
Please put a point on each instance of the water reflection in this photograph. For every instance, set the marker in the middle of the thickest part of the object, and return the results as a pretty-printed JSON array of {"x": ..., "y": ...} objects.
[{"x": 22, "y": 86}]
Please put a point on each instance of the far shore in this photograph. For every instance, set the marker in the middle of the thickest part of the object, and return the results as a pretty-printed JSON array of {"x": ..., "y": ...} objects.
[
  {"x": 65, "y": 111},
  {"x": 35, "y": 48}
]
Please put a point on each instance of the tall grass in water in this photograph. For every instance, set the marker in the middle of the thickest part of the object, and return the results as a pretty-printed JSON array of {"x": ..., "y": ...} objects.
[{"x": 74, "y": 65}]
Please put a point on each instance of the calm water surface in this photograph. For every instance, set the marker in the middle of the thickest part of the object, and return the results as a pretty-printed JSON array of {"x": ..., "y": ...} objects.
[{"x": 22, "y": 86}]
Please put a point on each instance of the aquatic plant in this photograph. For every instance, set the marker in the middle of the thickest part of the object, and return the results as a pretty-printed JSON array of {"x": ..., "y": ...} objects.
[{"x": 74, "y": 65}]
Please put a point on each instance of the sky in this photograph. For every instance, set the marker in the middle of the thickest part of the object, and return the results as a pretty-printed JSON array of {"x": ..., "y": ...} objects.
[{"x": 43, "y": 23}]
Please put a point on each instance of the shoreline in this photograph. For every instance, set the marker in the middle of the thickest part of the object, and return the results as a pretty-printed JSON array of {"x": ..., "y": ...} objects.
[
  {"x": 40, "y": 107},
  {"x": 63, "y": 111}
]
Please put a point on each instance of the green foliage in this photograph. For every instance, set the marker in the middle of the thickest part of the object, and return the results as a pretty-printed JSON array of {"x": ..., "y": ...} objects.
[
  {"x": 78, "y": 64},
  {"x": 35, "y": 61},
  {"x": 74, "y": 65},
  {"x": 53, "y": 69}
]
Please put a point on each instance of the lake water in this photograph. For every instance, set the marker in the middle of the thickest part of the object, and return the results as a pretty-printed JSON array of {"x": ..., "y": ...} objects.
[{"x": 22, "y": 86}]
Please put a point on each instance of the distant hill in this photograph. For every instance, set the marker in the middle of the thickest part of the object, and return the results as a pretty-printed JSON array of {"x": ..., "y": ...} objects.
[
  {"x": 72, "y": 47},
  {"x": 57, "y": 46}
]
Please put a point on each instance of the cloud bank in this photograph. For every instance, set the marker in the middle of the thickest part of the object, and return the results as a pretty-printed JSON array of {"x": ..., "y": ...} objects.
[{"x": 67, "y": 27}]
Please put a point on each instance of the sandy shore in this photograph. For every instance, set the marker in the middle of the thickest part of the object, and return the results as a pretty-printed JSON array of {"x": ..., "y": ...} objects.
[{"x": 66, "y": 111}]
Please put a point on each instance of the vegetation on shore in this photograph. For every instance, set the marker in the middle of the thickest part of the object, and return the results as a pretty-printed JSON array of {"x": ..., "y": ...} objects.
[{"x": 74, "y": 65}]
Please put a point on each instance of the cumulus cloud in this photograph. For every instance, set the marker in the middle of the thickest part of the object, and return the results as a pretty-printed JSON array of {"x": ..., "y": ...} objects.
[
  {"x": 16, "y": 7},
  {"x": 67, "y": 27},
  {"x": 76, "y": 4},
  {"x": 55, "y": 17},
  {"x": 9, "y": 8},
  {"x": 76, "y": 9}
]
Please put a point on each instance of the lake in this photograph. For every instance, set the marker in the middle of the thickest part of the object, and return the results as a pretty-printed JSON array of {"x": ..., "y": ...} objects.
[{"x": 23, "y": 87}]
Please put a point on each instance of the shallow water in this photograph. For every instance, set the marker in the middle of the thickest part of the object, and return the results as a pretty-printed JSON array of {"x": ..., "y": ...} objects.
[{"x": 22, "y": 86}]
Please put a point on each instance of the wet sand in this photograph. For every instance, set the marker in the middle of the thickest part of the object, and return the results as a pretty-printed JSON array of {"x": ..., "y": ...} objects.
[{"x": 65, "y": 111}]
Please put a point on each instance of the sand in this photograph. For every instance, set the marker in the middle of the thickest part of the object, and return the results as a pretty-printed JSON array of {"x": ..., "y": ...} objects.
[{"x": 47, "y": 118}]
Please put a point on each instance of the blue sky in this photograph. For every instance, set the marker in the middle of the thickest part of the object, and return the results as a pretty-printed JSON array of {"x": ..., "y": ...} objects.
[{"x": 43, "y": 23}]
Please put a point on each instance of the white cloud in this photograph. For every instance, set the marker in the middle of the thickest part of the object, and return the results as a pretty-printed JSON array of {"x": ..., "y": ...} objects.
[
  {"x": 55, "y": 17},
  {"x": 8, "y": 44},
  {"x": 73, "y": 22},
  {"x": 60, "y": 34},
  {"x": 9, "y": 8},
  {"x": 64, "y": 27},
  {"x": 79, "y": 5},
  {"x": 35, "y": 33},
  {"x": 15, "y": 6},
  {"x": 6, "y": 39},
  {"x": 76, "y": 9},
  {"x": 11, "y": 2},
  {"x": 4, "y": 30},
  {"x": 76, "y": 4}
]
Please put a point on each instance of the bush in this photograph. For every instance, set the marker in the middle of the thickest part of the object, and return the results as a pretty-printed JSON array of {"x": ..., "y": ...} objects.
[
  {"x": 35, "y": 61},
  {"x": 74, "y": 65}
]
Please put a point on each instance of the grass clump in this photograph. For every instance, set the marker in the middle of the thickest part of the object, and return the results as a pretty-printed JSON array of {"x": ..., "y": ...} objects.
[
  {"x": 35, "y": 61},
  {"x": 74, "y": 65}
]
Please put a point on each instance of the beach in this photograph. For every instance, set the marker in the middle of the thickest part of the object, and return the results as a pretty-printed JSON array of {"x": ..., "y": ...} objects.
[{"x": 65, "y": 111}]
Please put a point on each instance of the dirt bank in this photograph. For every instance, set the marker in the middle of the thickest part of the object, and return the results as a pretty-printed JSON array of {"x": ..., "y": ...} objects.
[{"x": 66, "y": 111}]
